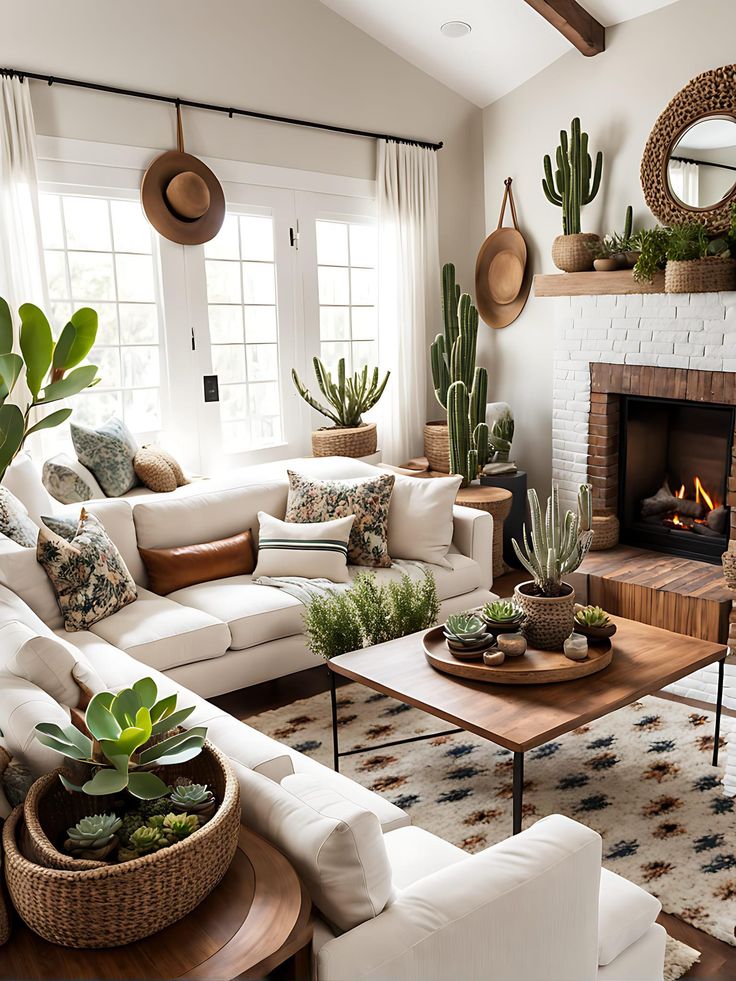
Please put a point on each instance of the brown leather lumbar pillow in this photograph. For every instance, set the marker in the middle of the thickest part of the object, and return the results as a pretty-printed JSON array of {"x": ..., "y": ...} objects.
[{"x": 174, "y": 568}]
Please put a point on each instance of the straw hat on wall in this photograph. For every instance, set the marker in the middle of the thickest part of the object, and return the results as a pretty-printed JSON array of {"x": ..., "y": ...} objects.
[{"x": 503, "y": 272}]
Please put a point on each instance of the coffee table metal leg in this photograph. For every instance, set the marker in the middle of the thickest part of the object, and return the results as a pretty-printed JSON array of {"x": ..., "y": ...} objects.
[
  {"x": 719, "y": 702},
  {"x": 333, "y": 700},
  {"x": 518, "y": 791}
]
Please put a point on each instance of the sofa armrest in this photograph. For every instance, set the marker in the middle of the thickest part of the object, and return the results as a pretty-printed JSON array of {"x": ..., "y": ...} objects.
[
  {"x": 473, "y": 536},
  {"x": 526, "y": 908}
]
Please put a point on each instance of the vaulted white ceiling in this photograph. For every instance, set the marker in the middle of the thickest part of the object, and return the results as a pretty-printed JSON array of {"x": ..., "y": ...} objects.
[{"x": 509, "y": 41}]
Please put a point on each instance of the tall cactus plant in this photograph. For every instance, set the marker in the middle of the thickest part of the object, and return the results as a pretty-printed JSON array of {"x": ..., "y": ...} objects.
[
  {"x": 574, "y": 182},
  {"x": 459, "y": 385}
]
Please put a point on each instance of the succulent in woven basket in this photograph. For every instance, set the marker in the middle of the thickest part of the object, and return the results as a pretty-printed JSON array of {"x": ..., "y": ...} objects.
[
  {"x": 177, "y": 827},
  {"x": 503, "y": 612},
  {"x": 131, "y": 738},
  {"x": 143, "y": 841},
  {"x": 592, "y": 616},
  {"x": 464, "y": 628},
  {"x": 193, "y": 798},
  {"x": 95, "y": 834}
]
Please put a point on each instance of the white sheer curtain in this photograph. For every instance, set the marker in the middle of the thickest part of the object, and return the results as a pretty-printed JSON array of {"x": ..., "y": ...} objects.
[
  {"x": 408, "y": 292},
  {"x": 685, "y": 181}
]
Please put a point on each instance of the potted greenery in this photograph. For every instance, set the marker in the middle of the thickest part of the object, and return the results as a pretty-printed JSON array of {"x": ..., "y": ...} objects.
[
  {"x": 693, "y": 262},
  {"x": 142, "y": 808},
  {"x": 558, "y": 546},
  {"x": 51, "y": 368},
  {"x": 573, "y": 183},
  {"x": 606, "y": 254},
  {"x": 349, "y": 398},
  {"x": 503, "y": 617}
]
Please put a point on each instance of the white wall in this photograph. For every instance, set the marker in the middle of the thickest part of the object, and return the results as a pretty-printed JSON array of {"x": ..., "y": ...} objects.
[
  {"x": 287, "y": 57},
  {"x": 618, "y": 96}
]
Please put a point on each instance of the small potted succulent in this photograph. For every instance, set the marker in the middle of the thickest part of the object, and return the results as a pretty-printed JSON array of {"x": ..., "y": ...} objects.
[
  {"x": 594, "y": 622},
  {"x": 466, "y": 635},
  {"x": 606, "y": 254},
  {"x": 94, "y": 837},
  {"x": 558, "y": 546},
  {"x": 348, "y": 399},
  {"x": 503, "y": 616}
]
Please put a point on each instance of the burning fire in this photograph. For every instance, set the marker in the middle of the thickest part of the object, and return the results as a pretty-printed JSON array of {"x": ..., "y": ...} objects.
[
  {"x": 700, "y": 493},
  {"x": 701, "y": 497}
]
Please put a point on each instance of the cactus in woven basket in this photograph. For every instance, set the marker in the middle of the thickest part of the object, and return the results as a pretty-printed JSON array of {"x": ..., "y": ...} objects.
[
  {"x": 592, "y": 616},
  {"x": 558, "y": 545},
  {"x": 93, "y": 834},
  {"x": 349, "y": 398},
  {"x": 575, "y": 181}
]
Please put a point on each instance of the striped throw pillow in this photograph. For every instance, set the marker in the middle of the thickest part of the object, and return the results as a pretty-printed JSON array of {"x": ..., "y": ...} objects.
[{"x": 316, "y": 550}]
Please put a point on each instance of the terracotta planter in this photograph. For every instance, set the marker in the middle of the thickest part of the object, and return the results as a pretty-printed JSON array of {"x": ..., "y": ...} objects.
[
  {"x": 549, "y": 619},
  {"x": 337, "y": 441},
  {"x": 437, "y": 446},
  {"x": 574, "y": 253}
]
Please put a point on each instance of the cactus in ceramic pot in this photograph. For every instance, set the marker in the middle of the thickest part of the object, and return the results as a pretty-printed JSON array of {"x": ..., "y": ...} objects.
[{"x": 557, "y": 547}]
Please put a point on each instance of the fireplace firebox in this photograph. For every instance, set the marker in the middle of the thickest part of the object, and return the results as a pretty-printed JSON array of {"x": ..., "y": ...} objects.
[{"x": 674, "y": 466}]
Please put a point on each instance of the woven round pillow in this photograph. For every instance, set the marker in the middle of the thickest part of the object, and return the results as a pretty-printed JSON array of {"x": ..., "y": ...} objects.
[{"x": 157, "y": 470}]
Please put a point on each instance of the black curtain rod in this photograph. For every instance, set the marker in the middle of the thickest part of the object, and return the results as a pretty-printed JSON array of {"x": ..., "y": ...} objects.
[
  {"x": 209, "y": 107},
  {"x": 702, "y": 163}
]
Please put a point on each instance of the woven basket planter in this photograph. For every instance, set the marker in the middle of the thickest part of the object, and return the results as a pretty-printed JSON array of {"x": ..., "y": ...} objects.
[
  {"x": 549, "y": 619},
  {"x": 605, "y": 532},
  {"x": 337, "y": 441},
  {"x": 711, "y": 275},
  {"x": 574, "y": 253},
  {"x": 437, "y": 446},
  {"x": 110, "y": 905}
]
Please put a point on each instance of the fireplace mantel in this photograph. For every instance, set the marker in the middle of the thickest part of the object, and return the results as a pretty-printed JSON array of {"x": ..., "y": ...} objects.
[{"x": 621, "y": 282}]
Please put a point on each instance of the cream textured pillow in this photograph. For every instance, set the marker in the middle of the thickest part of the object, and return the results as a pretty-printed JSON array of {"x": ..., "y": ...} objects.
[
  {"x": 420, "y": 520},
  {"x": 336, "y": 847},
  {"x": 367, "y": 498},
  {"x": 88, "y": 574},
  {"x": 313, "y": 550},
  {"x": 52, "y": 664},
  {"x": 14, "y": 520}
]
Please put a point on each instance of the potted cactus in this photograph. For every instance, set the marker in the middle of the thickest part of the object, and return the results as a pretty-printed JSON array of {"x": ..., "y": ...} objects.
[
  {"x": 558, "y": 546},
  {"x": 349, "y": 398},
  {"x": 459, "y": 445},
  {"x": 574, "y": 182}
]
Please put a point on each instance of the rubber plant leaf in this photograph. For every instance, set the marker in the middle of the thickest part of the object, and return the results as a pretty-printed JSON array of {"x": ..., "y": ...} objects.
[
  {"x": 11, "y": 365},
  {"x": 11, "y": 434},
  {"x": 75, "y": 382},
  {"x": 147, "y": 691},
  {"x": 51, "y": 420},
  {"x": 76, "y": 339},
  {"x": 36, "y": 345},
  {"x": 6, "y": 327},
  {"x": 159, "y": 750},
  {"x": 171, "y": 721},
  {"x": 106, "y": 782},
  {"x": 100, "y": 720},
  {"x": 146, "y": 786}
]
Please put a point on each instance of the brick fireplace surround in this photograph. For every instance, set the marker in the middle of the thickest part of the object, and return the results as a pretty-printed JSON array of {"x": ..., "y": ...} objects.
[{"x": 680, "y": 346}]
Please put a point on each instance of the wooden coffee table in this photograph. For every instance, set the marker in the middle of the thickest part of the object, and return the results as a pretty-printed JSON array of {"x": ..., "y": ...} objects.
[
  {"x": 522, "y": 717},
  {"x": 257, "y": 918}
]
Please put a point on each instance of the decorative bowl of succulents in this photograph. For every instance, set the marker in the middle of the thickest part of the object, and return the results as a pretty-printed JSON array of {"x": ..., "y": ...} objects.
[
  {"x": 503, "y": 616},
  {"x": 594, "y": 622},
  {"x": 552, "y": 548},
  {"x": 466, "y": 635}
]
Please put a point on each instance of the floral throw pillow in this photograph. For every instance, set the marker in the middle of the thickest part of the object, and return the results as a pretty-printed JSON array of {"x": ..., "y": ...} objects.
[
  {"x": 68, "y": 481},
  {"x": 88, "y": 574},
  {"x": 108, "y": 452},
  {"x": 14, "y": 521},
  {"x": 367, "y": 498}
]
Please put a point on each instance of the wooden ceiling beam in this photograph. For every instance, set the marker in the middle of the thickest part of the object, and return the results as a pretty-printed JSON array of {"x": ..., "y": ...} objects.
[{"x": 575, "y": 23}]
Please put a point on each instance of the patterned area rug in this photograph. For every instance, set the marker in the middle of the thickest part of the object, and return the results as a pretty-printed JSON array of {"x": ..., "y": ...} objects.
[{"x": 641, "y": 777}]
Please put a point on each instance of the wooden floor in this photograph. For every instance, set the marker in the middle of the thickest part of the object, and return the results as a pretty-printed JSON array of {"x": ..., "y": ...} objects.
[{"x": 717, "y": 960}]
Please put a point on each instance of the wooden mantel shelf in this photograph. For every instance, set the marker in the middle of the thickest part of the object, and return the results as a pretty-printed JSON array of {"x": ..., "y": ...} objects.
[{"x": 617, "y": 283}]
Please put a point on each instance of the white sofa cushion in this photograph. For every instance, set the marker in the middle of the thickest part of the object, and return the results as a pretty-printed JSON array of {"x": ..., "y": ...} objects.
[
  {"x": 312, "y": 549},
  {"x": 53, "y": 664},
  {"x": 255, "y": 614},
  {"x": 164, "y": 634},
  {"x": 462, "y": 575},
  {"x": 23, "y": 479},
  {"x": 414, "y": 853},
  {"x": 336, "y": 847},
  {"x": 22, "y": 706},
  {"x": 20, "y": 572},
  {"x": 625, "y": 913},
  {"x": 420, "y": 523}
]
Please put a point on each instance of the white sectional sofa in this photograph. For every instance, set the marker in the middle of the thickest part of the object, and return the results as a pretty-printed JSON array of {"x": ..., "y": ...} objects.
[{"x": 221, "y": 636}]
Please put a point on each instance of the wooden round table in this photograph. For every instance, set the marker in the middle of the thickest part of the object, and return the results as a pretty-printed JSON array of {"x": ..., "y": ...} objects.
[
  {"x": 257, "y": 918},
  {"x": 497, "y": 502}
]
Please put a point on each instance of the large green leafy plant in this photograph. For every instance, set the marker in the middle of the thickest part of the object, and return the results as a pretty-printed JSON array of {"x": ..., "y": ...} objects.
[
  {"x": 52, "y": 372},
  {"x": 130, "y": 739}
]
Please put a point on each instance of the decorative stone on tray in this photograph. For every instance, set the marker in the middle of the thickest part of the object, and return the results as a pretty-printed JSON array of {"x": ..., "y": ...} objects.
[
  {"x": 576, "y": 647},
  {"x": 494, "y": 658},
  {"x": 512, "y": 645}
]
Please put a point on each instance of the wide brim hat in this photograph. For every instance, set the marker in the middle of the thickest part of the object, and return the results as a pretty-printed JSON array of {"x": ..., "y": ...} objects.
[
  {"x": 181, "y": 196},
  {"x": 503, "y": 272}
]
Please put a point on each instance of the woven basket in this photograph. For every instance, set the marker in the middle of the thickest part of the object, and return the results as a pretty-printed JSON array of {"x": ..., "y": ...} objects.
[
  {"x": 437, "y": 446},
  {"x": 336, "y": 441},
  {"x": 605, "y": 532},
  {"x": 729, "y": 568},
  {"x": 4, "y": 910},
  {"x": 549, "y": 619},
  {"x": 574, "y": 253},
  {"x": 112, "y": 905},
  {"x": 710, "y": 275}
]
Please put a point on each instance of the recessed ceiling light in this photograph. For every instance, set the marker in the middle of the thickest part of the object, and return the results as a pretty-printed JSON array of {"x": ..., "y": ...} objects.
[{"x": 455, "y": 28}]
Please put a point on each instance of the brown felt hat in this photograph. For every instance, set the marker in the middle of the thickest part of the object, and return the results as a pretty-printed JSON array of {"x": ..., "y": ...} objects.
[
  {"x": 502, "y": 271},
  {"x": 181, "y": 196}
]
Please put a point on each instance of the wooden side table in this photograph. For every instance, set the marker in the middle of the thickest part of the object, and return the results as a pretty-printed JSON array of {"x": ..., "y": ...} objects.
[
  {"x": 497, "y": 502},
  {"x": 256, "y": 919}
]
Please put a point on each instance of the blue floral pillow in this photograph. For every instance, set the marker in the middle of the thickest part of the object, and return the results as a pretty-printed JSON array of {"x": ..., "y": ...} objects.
[{"x": 108, "y": 451}]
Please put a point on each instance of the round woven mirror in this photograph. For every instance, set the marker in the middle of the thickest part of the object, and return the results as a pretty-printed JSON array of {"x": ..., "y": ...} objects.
[{"x": 688, "y": 171}]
